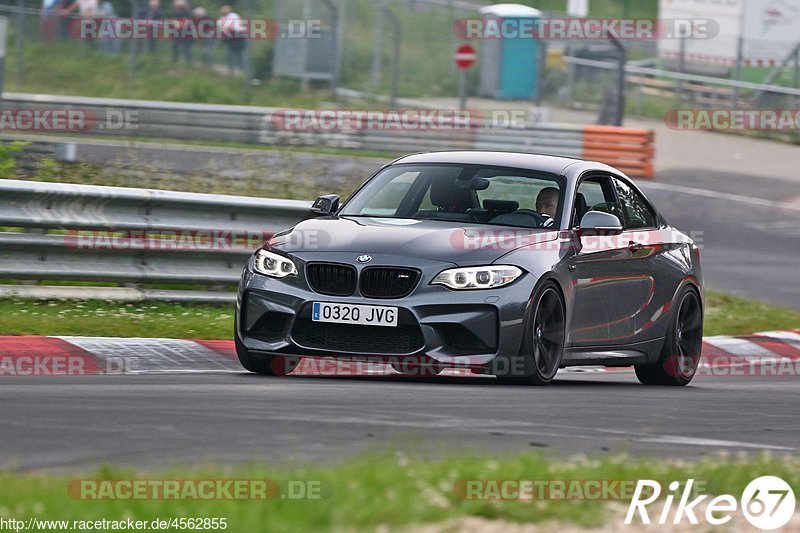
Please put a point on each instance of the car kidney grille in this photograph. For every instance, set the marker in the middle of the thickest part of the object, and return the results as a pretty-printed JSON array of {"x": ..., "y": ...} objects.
[
  {"x": 332, "y": 278},
  {"x": 380, "y": 282},
  {"x": 353, "y": 338}
]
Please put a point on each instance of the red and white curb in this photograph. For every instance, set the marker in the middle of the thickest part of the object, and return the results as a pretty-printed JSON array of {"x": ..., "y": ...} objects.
[{"x": 771, "y": 353}]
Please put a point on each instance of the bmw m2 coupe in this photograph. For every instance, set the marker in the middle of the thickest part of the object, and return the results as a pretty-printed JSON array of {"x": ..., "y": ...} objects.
[{"x": 513, "y": 265}]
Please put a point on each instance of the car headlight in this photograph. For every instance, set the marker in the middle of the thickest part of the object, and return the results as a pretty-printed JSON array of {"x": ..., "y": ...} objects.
[
  {"x": 485, "y": 277},
  {"x": 274, "y": 265}
]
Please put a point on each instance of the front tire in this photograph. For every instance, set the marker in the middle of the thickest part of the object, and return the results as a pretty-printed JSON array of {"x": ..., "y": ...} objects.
[
  {"x": 680, "y": 355},
  {"x": 544, "y": 338}
]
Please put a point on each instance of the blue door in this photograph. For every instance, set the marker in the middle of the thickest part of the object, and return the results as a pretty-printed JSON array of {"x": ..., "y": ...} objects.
[{"x": 519, "y": 70}]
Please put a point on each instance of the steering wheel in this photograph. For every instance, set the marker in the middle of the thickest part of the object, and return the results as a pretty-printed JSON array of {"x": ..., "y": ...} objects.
[{"x": 524, "y": 218}]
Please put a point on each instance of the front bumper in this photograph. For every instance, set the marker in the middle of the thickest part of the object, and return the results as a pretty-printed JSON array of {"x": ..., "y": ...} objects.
[{"x": 436, "y": 325}]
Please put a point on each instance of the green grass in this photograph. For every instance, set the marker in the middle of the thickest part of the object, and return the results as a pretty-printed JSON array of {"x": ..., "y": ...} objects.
[
  {"x": 382, "y": 491},
  {"x": 72, "y": 68},
  {"x": 731, "y": 315},
  {"x": 107, "y": 319},
  {"x": 725, "y": 315},
  {"x": 282, "y": 180}
]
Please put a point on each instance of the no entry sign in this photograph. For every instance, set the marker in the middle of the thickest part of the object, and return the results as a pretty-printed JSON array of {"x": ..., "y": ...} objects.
[{"x": 465, "y": 56}]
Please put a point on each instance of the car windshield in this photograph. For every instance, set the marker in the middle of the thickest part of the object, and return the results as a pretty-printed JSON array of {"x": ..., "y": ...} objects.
[{"x": 461, "y": 193}]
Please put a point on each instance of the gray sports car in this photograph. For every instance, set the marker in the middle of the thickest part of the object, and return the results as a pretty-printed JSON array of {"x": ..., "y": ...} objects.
[{"x": 508, "y": 264}]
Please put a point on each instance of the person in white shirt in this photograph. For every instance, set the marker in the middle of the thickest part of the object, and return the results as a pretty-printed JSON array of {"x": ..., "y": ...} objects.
[
  {"x": 231, "y": 29},
  {"x": 87, "y": 8}
]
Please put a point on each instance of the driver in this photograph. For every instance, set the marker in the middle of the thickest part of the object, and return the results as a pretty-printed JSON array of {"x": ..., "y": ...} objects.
[{"x": 546, "y": 204}]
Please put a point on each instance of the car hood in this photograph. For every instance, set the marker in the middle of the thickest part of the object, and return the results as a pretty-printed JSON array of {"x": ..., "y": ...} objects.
[{"x": 462, "y": 244}]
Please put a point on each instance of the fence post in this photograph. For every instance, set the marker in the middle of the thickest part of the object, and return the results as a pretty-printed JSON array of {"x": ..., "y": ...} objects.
[
  {"x": 133, "y": 46},
  {"x": 796, "y": 76},
  {"x": 336, "y": 29},
  {"x": 396, "y": 53},
  {"x": 738, "y": 71},
  {"x": 681, "y": 67},
  {"x": 377, "y": 46},
  {"x": 619, "y": 102},
  {"x": 247, "y": 73},
  {"x": 3, "y": 35},
  {"x": 20, "y": 23}
]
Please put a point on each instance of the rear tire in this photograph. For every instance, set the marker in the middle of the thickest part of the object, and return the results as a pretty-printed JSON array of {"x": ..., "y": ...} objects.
[
  {"x": 680, "y": 355},
  {"x": 544, "y": 338}
]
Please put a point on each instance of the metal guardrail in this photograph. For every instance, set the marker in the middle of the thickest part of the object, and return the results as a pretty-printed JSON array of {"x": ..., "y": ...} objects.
[
  {"x": 250, "y": 124},
  {"x": 101, "y": 233},
  {"x": 682, "y": 76}
]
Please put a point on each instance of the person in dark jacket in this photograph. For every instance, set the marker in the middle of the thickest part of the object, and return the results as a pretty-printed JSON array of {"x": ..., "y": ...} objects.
[
  {"x": 152, "y": 12},
  {"x": 182, "y": 15}
]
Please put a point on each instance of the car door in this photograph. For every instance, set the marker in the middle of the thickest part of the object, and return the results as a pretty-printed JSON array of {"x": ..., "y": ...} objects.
[
  {"x": 650, "y": 248},
  {"x": 609, "y": 286}
]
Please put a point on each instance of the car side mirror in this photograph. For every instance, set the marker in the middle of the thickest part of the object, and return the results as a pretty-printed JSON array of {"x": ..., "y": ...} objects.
[
  {"x": 600, "y": 223},
  {"x": 325, "y": 205}
]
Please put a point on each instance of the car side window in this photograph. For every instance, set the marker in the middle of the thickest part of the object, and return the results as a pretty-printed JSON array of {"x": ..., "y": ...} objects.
[
  {"x": 638, "y": 213},
  {"x": 595, "y": 193}
]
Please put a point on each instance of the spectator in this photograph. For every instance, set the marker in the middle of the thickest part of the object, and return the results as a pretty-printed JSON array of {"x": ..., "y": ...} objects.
[
  {"x": 87, "y": 8},
  {"x": 48, "y": 24},
  {"x": 64, "y": 10},
  {"x": 151, "y": 12},
  {"x": 205, "y": 24},
  {"x": 111, "y": 44},
  {"x": 231, "y": 28},
  {"x": 181, "y": 13}
]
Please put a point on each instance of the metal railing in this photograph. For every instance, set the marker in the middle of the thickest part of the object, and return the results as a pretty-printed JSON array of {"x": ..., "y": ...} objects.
[
  {"x": 60, "y": 232},
  {"x": 680, "y": 82},
  {"x": 264, "y": 125}
]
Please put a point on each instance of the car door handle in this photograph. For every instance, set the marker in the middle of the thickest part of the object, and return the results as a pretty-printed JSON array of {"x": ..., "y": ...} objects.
[{"x": 635, "y": 246}]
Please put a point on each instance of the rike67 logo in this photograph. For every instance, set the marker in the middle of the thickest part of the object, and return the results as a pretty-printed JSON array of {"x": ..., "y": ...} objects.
[{"x": 767, "y": 502}]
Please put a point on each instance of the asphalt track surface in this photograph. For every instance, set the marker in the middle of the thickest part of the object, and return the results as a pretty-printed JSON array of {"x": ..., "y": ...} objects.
[
  {"x": 749, "y": 230},
  {"x": 74, "y": 423}
]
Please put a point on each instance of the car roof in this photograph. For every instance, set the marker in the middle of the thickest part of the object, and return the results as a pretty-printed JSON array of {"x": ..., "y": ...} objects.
[{"x": 543, "y": 163}]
